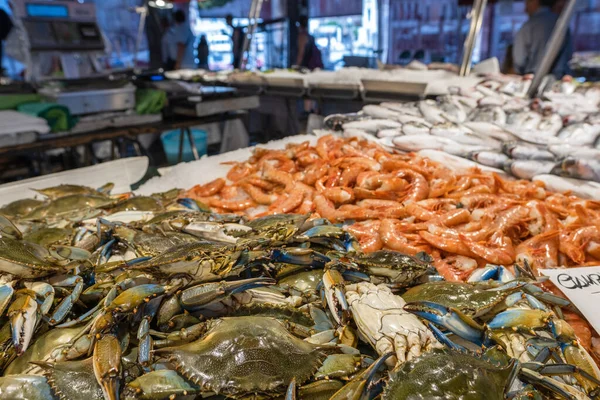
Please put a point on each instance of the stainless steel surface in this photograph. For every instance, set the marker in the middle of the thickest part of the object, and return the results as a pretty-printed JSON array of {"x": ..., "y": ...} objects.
[
  {"x": 552, "y": 47},
  {"x": 477, "y": 13},
  {"x": 93, "y": 101}
]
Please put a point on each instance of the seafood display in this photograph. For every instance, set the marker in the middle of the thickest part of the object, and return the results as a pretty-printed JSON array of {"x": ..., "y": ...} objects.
[
  {"x": 157, "y": 297},
  {"x": 492, "y": 124}
]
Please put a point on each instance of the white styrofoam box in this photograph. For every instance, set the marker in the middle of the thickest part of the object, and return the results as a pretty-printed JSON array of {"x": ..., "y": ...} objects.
[{"x": 123, "y": 173}]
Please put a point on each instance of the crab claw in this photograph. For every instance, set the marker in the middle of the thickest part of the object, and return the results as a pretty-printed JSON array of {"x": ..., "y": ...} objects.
[
  {"x": 133, "y": 297},
  {"x": 299, "y": 256},
  {"x": 491, "y": 272},
  {"x": 23, "y": 316},
  {"x": 202, "y": 295},
  {"x": 107, "y": 366},
  {"x": 362, "y": 385},
  {"x": 333, "y": 293},
  {"x": 521, "y": 319},
  {"x": 450, "y": 318},
  {"x": 193, "y": 204}
]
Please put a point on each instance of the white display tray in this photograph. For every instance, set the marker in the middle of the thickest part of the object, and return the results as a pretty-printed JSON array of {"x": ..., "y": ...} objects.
[{"x": 123, "y": 173}]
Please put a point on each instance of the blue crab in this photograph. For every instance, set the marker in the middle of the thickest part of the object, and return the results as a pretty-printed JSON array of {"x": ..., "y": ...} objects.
[{"x": 245, "y": 355}]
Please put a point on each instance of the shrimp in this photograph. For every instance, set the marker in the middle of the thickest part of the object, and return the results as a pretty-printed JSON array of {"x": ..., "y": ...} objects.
[
  {"x": 258, "y": 195},
  {"x": 231, "y": 205},
  {"x": 451, "y": 218},
  {"x": 573, "y": 244},
  {"x": 289, "y": 202},
  {"x": 454, "y": 268},
  {"x": 339, "y": 195},
  {"x": 209, "y": 189},
  {"x": 419, "y": 188},
  {"x": 277, "y": 159},
  {"x": 272, "y": 174},
  {"x": 315, "y": 171},
  {"x": 239, "y": 171},
  {"x": 448, "y": 244},
  {"x": 393, "y": 237},
  {"x": 363, "y": 162},
  {"x": 367, "y": 234},
  {"x": 540, "y": 251},
  {"x": 499, "y": 249}
]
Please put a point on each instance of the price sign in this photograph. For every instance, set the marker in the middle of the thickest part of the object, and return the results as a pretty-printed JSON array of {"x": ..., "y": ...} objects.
[{"x": 582, "y": 287}]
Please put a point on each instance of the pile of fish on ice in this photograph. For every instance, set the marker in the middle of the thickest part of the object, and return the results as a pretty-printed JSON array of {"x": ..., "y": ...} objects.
[{"x": 494, "y": 124}]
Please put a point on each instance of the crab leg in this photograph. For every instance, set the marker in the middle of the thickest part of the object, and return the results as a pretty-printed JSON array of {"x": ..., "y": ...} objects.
[
  {"x": 559, "y": 388},
  {"x": 199, "y": 296},
  {"x": 299, "y": 256},
  {"x": 450, "y": 318},
  {"x": 65, "y": 306},
  {"x": 361, "y": 386},
  {"x": 145, "y": 345},
  {"x": 333, "y": 294},
  {"x": 290, "y": 393},
  {"x": 45, "y": 292},
  {"x": 69, "y": 253},
  {"x": 23, "y": 316}
]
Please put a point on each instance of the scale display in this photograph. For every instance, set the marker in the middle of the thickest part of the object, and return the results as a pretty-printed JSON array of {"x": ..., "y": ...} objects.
[{"x": 37, "y": 10}]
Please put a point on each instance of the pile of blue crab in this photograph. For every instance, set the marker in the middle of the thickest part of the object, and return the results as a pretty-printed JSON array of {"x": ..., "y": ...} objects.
[
  {"x": 123, "y": 297},
  {"x": 495, "y": 125}
]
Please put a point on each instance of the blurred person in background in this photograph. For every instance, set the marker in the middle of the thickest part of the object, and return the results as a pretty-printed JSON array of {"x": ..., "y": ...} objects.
[
  {"x": 237, "y": 42},
  {"x": 531, "y": 40},
  {"x": 308, "y": 56},
  {"x": 203, "y": 52},
  {"x": 6, "y": 26},
  {"x": 167, "y": 40},
  {"x": 183, "y": 42}
]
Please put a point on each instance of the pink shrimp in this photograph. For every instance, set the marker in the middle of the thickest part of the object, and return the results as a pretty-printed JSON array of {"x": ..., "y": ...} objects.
[
  {"x": 454, "y": 268},
  {"x": 418, "y": 189},
  {"x": 393, "y": 237},
  {"x": 367, "y": 234},
  {"x": 448, "y": 244},
  {"x": 209, "y": 189},
  {"x": 258, "y": 195},
  {"x": 498, "y": 250}
]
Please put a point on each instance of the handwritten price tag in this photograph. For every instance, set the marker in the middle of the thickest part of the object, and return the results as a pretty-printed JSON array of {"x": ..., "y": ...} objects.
[{"x": 582, "y": 287}]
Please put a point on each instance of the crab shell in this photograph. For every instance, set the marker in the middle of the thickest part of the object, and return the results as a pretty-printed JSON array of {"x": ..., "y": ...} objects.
[
  {"x": 246, "y": 355},
  {"x": 446, "y": 374}
]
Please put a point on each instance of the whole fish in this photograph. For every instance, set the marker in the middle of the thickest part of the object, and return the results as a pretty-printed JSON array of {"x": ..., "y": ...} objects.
[
  {"x": 410, "y": 108},
  {"x": 551, "y": 123},
  {"x": 491, "y": 114},
  {"x": 453, "y": 111},
  {"x": 389, "y": 132},
  {"x": 526, "y": 120},
  {"x": 336, "y": 121},
  {"x": 584, "y": 189},
  {"x": 490, "y": 130},
  {"x": 462, "y": 134},
  {"x": 431, "y": 111},
  {"x": 416, "y": 128},
  {"x": 588, "y": 170},
  {"x": 380, "y": 112},
  {"x": 372, "y": 125},
  {"x": 580, "y": 134},
  {"x": 527, "y": 169},
  {"x": 492, "y": 159},
  {"x": 523, "y": 151},
  {"x": 567, "y": 150}
]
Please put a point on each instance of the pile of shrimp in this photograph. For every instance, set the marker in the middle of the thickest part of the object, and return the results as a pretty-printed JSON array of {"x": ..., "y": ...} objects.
[{"x": 411, "y": 204}]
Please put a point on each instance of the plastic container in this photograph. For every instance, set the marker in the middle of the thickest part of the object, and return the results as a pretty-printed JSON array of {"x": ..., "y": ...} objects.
[{"x": 170, "y": 141}]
